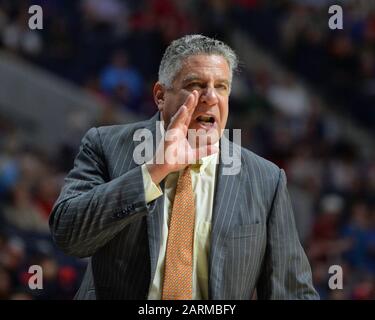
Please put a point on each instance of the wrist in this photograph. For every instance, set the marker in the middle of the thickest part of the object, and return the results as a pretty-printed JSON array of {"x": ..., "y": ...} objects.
[{"x": 157, "y": 172}]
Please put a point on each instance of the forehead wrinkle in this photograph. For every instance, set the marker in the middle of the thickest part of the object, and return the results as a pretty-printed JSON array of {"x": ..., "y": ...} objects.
[
  {"x": 195, "y": 68},
  {"x": 191, "y": 76}
]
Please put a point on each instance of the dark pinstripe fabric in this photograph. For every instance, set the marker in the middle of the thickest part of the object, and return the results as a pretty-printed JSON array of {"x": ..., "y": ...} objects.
[{"x": 101, "y": 213}]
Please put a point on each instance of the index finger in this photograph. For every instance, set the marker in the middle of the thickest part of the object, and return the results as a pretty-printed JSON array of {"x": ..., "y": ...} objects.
[
  {"x": 191, "y": 103},
  {"x": 183, "y": 114}
]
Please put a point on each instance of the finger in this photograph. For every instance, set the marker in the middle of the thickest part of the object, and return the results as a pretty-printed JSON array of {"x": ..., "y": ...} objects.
[
  {"x": 191, "y": 101},
  {"x": 182, "y": 116},
  {"x": 179, "y": 117},
  {"x": 191, "y": 106}
]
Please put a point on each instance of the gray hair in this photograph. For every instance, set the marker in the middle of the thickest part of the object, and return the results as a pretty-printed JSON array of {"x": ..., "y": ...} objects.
[{"x": 189, "y": 45}]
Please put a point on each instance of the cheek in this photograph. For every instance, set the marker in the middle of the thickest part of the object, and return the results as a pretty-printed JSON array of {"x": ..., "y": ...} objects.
[
  {"x": 173, "y": 103},
  {"x": 169, "y": 109},
  {"x": 223, "y": 112}
]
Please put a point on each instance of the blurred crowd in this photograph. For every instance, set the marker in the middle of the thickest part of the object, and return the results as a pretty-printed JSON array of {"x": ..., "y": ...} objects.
[
  {"x": 112, "y": 49},
  {"x": 339, "y": 63}
]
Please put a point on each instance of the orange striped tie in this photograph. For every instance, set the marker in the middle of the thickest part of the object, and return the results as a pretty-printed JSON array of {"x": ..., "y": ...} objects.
[{"x": 178, "y": 279}]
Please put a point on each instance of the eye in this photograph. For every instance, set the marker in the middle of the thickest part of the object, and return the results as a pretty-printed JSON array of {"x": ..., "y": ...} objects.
[
  {"x": 195, "y": 85},
  {"x": 222, "y": 86}
]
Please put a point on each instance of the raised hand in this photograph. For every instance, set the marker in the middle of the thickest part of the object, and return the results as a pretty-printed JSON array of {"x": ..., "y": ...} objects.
[{"x": 175, "y": 152}]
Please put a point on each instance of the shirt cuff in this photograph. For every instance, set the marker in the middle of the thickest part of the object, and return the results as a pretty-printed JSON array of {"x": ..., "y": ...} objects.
[{"x": 152, "y": 191}]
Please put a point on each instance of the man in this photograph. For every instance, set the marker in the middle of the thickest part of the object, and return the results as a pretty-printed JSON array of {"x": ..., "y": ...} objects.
[{"x": 185, "y": 229}]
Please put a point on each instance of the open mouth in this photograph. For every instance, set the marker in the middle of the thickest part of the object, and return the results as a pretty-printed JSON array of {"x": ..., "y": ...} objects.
[
  {"x": 206, "y": 120},
  {"x": 207, "y": 125}
]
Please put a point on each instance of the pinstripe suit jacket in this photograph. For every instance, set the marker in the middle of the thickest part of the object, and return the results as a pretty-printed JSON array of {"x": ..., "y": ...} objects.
[{"x": 101, "y": 213}]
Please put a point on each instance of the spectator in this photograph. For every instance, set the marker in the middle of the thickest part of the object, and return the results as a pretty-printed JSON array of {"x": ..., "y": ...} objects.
[
  {"x": 22, "y": 213},
  {"x": 17, "y": 36},
  {"x": 122, "y": 80}
]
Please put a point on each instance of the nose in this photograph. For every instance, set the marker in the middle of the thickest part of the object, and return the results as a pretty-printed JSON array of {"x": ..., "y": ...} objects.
[{"x": 209, "y": 96}]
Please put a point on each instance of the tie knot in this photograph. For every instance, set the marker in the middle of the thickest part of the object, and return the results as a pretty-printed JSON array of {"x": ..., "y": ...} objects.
[{"x": 185, "y": 176}]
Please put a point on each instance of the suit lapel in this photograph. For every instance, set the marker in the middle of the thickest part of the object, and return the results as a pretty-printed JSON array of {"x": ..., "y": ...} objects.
[
  {"x": 227, "y": 200},
  {"x": 156, "y": 208},
  {"x": 154, "y": 229}
]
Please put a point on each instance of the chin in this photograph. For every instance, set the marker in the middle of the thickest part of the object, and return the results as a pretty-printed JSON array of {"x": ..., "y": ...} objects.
[{"x": 204, "y": 134}]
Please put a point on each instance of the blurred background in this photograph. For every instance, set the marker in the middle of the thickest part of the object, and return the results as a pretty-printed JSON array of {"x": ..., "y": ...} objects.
[{"x": 303, "y": 97}]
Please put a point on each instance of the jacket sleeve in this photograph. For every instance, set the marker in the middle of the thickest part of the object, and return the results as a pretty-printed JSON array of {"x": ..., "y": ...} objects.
[
  {"x": 286, "y": 273},
  {"x": 91, "y": 210}
]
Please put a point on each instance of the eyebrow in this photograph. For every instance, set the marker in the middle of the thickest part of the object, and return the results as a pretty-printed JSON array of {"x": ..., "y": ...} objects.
[{"x": 191, "y": 78}]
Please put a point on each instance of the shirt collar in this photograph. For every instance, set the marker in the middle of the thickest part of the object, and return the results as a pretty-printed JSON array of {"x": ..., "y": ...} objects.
[{"x": 206, "y": 164}]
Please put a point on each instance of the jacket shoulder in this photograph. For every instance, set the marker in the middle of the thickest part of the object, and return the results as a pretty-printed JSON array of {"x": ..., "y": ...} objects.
[
  {"x": 121, "y": 129},
  {"x": 108, "y": 135},
  {"x": 258, "y": 166}
]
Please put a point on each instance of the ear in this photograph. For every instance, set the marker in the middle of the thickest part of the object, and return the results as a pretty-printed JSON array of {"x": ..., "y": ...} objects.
[{"x": 158, "y": 92}]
